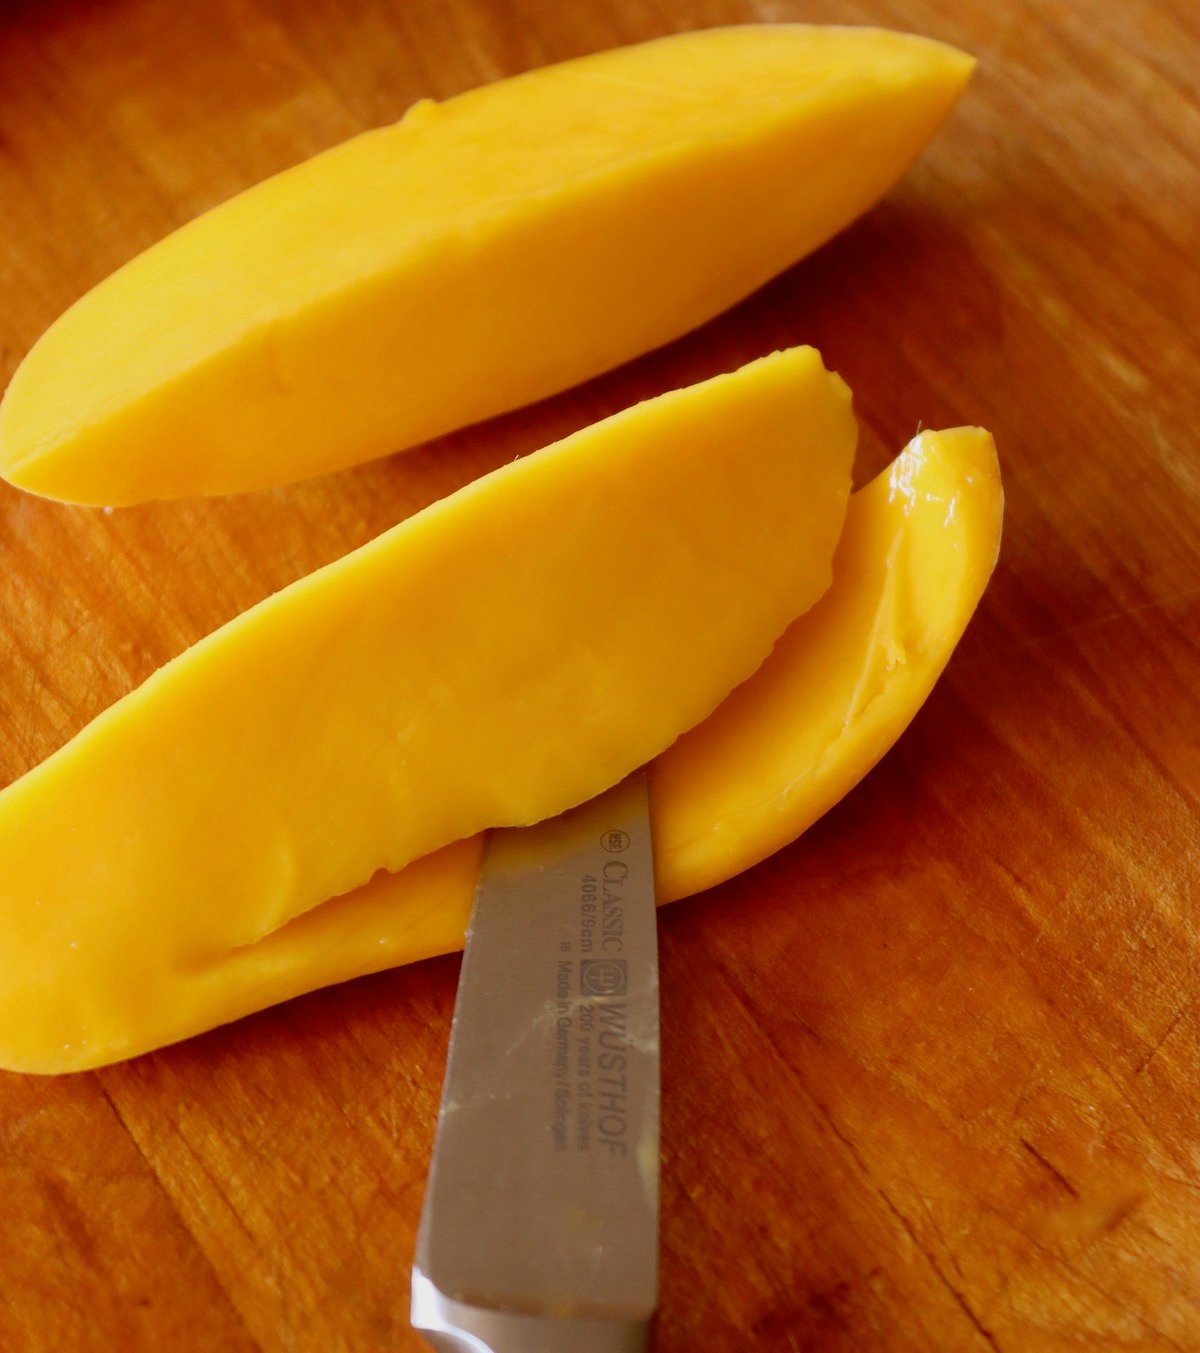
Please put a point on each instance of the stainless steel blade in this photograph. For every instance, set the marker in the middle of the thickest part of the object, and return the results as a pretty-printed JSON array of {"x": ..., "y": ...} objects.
[{"x": 540, "y": 1225}]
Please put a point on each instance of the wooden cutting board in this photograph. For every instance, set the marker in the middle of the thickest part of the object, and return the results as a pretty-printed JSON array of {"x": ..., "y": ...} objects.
[{"x": 931, "y": 1072}]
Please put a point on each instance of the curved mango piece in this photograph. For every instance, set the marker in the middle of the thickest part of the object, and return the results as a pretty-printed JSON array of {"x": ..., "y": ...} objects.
[
  {"x": 480, "y": 254},
  {"x": 845, "y": 680},
  {"x": 508, "y": 652},
  {"x": 839, "y": 688}
]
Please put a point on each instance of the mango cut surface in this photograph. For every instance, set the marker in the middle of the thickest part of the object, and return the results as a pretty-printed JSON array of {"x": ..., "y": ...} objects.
[
  {"x": 480, "y": 254},
  {"x": 842, "y": 684},
  {"x": 508, "y": 652}
]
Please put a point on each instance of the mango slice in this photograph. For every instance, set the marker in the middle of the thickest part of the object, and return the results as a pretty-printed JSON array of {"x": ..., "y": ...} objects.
[
  {"x": 508, "y": 652},
  {"x": 480, "y": 254},
  {"x": 841, "y": 685},
  {"x": 846, "y": 679}
]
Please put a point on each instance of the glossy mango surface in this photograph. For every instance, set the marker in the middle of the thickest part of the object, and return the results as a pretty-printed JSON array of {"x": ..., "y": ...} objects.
[
  {"x": 508, "y": 652},
  {"x": 841, "y": 685},
  {"x": 478, "y": 255}
]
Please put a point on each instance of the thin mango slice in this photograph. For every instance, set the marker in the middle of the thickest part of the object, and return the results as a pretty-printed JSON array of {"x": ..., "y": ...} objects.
[
  {"x": 508, "y": 652},
  {"x": 482, "y": 253},
  {"x": 840, "y": 687},
  {"x": 842, "y": 684},
  {"x": 845, "y": 680}
]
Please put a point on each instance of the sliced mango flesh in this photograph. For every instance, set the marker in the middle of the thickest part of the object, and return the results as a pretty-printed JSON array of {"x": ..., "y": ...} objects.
[
  {"x": 508, "y": 652},
  {"x": 846, "y": 679},
  {"x": 480, "y": 254},
  {"x": 841, "y": 685},
  {"x": 838, "y": 689}
]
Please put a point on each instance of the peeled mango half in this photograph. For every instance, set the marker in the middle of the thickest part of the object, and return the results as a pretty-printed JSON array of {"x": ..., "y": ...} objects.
[
  {"x": 298, "y": 798},
  {"x": 480, "y": 254}
]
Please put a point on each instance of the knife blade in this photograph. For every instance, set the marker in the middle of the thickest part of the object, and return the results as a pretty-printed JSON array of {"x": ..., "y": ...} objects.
[{"x": 539, "y": 1229}]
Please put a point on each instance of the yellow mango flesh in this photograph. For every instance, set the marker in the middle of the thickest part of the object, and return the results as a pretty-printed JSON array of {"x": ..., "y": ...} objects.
[
  {"x": 839, "y": 688},
  {"x": 844, "y": 681},
  {"x": 480, "y": 254},
  {"x": 508, "y": 652}
]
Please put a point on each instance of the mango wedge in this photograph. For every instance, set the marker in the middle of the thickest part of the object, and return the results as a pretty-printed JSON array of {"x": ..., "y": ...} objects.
[
  {"x": 842, "y": 684},
  {"x": 508, "y": 652},
  {"x": 838, "y": 689},
  {"x": 846, "y": 679},
  {"x": 480, "y": 254}
]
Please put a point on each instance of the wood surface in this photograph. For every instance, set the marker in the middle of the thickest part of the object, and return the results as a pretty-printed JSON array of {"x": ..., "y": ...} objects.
[{"x": 930, "y": 1073}]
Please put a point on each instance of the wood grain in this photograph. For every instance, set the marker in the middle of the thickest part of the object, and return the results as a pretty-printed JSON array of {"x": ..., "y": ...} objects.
[{"x": 930, "y": 1073}]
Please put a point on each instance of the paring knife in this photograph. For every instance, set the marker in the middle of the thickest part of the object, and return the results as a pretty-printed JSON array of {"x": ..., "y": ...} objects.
[{"x": 539, "y": 1232}]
